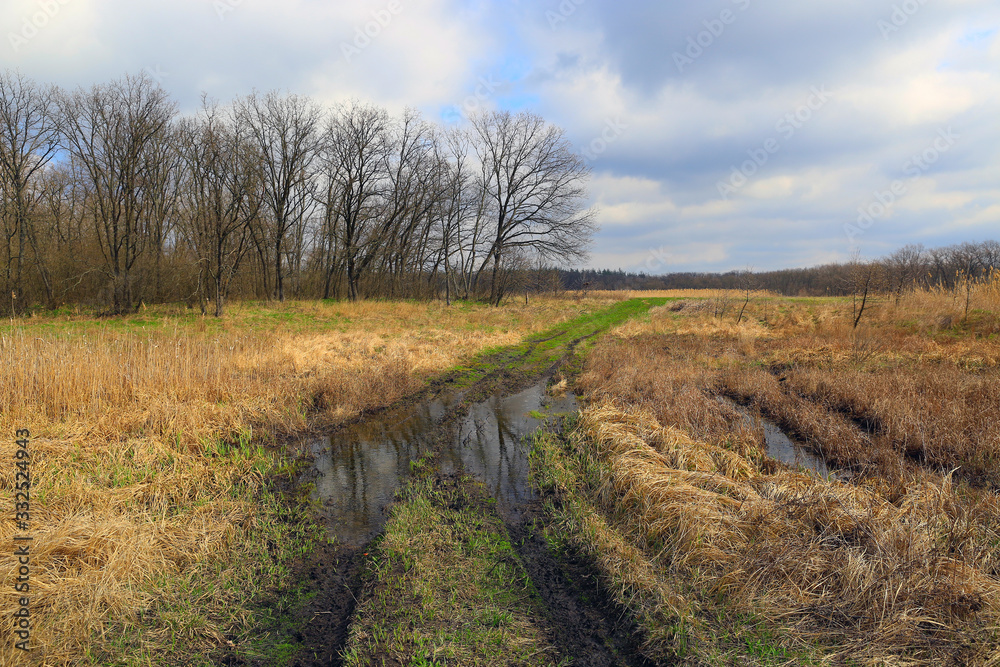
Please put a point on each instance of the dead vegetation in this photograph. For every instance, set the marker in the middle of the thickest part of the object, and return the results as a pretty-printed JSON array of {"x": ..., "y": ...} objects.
[
  {"x": 716, "y": 553},
  {"x": 724, "y": 554},
  {"x": 153, "y": 518}
]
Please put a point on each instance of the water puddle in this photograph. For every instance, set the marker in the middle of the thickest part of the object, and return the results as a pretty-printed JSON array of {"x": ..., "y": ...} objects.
[
  {"x": 786, "y": 450},
  {"x": 359, "y": 468},
  {"x": 490, "y": 443},
  {"x": 781, "y": 447}
]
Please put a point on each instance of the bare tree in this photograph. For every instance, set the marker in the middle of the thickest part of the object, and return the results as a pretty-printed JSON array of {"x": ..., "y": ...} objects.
[
  {"x": 286, "y": 130},
  {"x": 60, "y": 237},
  {"x": 29, "y": 139},
  {"x": 904, "y": 268},
  {"x": 747, "y": 282},
  {"x": 455, "y": 203},
  {"x": 864, "y": 276},
  {"x": 114, "y": 133},
  {"x": 224, "y": 193},
  {"x": 534, "y": 182},
  {"x": 162, "y": 176},
  {"x": 357, "y": 144},
  {"x": 413, "y": 190}
]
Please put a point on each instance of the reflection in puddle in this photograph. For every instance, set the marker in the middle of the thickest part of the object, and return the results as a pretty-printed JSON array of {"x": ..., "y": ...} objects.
[
  {"x": 782, "y": 448},
  {"x": 490, "y": 441},
  {"x": 358, "y": 469}
]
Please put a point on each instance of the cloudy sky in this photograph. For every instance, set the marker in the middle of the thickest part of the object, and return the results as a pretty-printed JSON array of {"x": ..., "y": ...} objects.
[{"x": 721, "y": 134}]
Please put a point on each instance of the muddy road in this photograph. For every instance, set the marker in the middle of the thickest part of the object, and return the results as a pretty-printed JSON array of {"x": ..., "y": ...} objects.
[{"x": 472, "y": 424}]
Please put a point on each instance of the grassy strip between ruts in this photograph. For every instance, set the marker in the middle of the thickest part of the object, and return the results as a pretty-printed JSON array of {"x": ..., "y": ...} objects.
[
  {"x": 446, "y": 586},
  {"x": 540, "y": 351}
]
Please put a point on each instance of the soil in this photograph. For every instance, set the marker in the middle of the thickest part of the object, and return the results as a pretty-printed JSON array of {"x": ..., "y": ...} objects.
[
  {"x": 331, "y": 577},
  {"x": 334, "y": 574},
  {"x": 584, "y": 622}
]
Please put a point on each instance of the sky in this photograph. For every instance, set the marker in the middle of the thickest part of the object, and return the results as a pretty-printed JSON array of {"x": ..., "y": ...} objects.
[{"x": 721, "y": 134}]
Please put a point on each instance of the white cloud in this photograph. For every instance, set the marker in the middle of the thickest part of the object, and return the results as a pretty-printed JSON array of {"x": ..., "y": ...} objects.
[{"x": 676, "y": 134}]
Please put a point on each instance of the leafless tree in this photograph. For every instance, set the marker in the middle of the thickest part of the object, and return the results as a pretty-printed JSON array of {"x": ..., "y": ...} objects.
[
  {"x": 224, "y": 193},
  {"x": 747, "y": 282},
  {"x": 865, "y": 281},
  {"x": 286, "y": 129},
  {"x": 114, "y": 133},
  {"x": 535, "y": 184},
  {"x": 163, "y": 173},
  {"x": 455, "y": 204},
  {"x": 414, "y": 190},
  {"x": 357, "y": 145},
  {"x": 904, "y": 268},
  {"x": 60, "y": 235},
  {"x": 29, "y": 139}
]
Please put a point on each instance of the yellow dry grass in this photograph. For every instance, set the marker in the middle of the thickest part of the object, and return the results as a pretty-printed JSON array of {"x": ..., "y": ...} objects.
[
  {"x": 134, "y": 494},
  {"x": 828, "y": 563},
  {"x": 929, "y": 394},
  {"x": 898, "y": 566}
]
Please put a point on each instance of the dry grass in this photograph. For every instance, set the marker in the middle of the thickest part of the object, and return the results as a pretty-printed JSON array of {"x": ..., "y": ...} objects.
[
  {"x": 880, "y": 398},
  {"x": 700, "y": 529},
  {"x": 148, "y": 471},
  {"x": 828, "y": 563}
]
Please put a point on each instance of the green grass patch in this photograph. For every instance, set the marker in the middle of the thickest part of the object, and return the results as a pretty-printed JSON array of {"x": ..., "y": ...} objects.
[
  {"x": 539, "y": 352},
  {"x": 445, "y": 586}
]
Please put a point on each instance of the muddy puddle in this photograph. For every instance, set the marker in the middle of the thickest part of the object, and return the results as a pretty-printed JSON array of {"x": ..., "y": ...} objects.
[
  {"x": 780, "y": 446},
  {"x": 358, "y": 469}
]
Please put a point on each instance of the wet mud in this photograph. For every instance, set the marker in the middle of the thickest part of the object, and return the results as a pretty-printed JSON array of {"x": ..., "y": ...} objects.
[{"x": 459, "y": 429}]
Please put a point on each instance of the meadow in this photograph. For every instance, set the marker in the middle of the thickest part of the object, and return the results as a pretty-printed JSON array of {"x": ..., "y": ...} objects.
[
  {"x": 160, "y": 508},
  {"x": 727, "y": 556},
  {"x": 167, "y": 524}
]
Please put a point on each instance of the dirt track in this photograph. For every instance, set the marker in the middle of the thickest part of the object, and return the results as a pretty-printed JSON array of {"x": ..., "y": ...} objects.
[{"x": 582, "y": 622}]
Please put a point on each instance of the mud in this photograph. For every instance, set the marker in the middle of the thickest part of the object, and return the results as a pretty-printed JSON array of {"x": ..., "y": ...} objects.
[
  {"x": 586, "y": 624},
  {"x": 323, "y": 623},
  {"x": 476, "y": 428},
  {"x": 318, "y": 629}
]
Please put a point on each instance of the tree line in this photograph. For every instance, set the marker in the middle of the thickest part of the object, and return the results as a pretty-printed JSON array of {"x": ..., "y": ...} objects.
[
  {"x": 110, "y": 197},
  {"x": 952, "y": 267}
]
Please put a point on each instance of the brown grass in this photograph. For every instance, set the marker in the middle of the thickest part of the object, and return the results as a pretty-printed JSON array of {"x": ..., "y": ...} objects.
[
  {"x": 880, "y": 398},
  {"x": 898, "y": 566},
  {"x": 828, "y": 563},
  {"x": 148, "y": 471}
]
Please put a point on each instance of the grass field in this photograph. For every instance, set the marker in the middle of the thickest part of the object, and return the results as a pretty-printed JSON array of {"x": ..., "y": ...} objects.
[
  {"x": 166, "y": 528},
  {"x": 728, "y": 557},
  {"x": 156, "y": 509}
]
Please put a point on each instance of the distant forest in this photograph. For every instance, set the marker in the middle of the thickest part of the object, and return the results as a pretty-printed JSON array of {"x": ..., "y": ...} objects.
[
  {"x": 911, "y": 266},
  {"x": 110, "y": 198}
]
